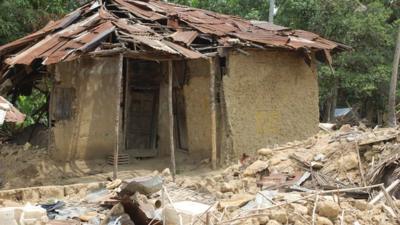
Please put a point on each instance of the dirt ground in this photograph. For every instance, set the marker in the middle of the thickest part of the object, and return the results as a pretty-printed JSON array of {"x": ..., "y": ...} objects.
[{"x": 29, "y": 166}]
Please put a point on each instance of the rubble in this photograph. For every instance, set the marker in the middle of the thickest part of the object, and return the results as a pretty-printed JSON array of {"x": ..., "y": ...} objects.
[{"x": 318, "y": 181}]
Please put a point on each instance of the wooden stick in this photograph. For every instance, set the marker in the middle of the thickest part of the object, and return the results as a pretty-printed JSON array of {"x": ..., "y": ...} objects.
[
  {"x": 390, "y": 201},
  {"x": 207, "y": 211},
  {"x": 117, "y": 120},
  {"x": 360, "y": 165},
  {"x": 171, "y": 119},
  {"x": 213, "y": 115},
  {"x": 382, "y": 194},
  {"x": 315, "y": 209},
  {"x": 342, "y": 218},
  {"x": 172, "y": 204}
]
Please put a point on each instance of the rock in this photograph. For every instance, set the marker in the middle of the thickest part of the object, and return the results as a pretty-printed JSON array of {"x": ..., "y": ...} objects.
[
  {"x": 88, "y": 216},
  {"x": 237, "y": 200},
  {"x": 349, "y": 161},
  {"x": 328, "y": 209},
  {"x": 300, "y": 209},
  {"x": 345, "y": 128},
  {"x": 227, "y": 187},
  {"x": 166, "y": 172},
  {"x": 361, "y": 205},
  {"x": 125, "y": 219},
  {"x": 266, "y": 152},
  {"x": 323, "y": 221},
  {"x": 211, "y": 181},
  {"x": 256, "y": 167},
  {"x": 114, "y": 184},
  {"x": 231, "y": 186},
  {"x": 273, "y": 222},
  {"x": 317, "y": 165},
  {"x": 263, "y": 219},
  {"x": 117, "y": 210},
  {"x": 143, "y": 185},
  {"x": 280, "y": 216}
]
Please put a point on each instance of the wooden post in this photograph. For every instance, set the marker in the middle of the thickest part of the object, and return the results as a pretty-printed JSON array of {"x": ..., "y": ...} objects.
[
  {"x": 213, "y": 115},
  {"x": 171, "y": 118},
  {"x": 117, "y": 119}
]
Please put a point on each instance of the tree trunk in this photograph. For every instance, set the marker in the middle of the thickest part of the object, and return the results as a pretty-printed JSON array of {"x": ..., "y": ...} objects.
[
  {"x": 271, "y": 11},
  {"x": 171, "y": 119},
  {"x": 391, "y": 120}
]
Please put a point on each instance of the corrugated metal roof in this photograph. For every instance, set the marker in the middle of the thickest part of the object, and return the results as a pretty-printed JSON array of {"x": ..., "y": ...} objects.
[
  {"x": 9, "y": 113},
  {"x": 152, "y": 25}
]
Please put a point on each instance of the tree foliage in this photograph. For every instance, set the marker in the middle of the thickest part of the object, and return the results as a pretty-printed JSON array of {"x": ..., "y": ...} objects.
[{"x": 19, "y": 17}]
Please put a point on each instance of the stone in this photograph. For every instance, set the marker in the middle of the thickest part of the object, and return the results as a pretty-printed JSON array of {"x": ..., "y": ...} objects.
[
  {"x": 273, "y": 222},
  {"x": 88, "y": 216},
  {"x": 227, "y": 187},
  {"x": 256, "y": 167},
  {"x": 361, "y": 205},
  {"x": 114, "y": 184},
  {"x": 328, "y": 209},
  {"x": 323, "y": 221},
  {"x": 345, "y": 128},
  {"x": 300, "y": 209},
  {"x": 210, "y": 181},
  {"x": 348, "y": 161},
  {"x": 263, "y": 219},
  {"x": 266, "y": 152},
  {"x": 166, "y": 172},
  {"x": 235, "y": 201},
  {"x": 280, "y": 216},
  {"x": 316, "y": 165}
]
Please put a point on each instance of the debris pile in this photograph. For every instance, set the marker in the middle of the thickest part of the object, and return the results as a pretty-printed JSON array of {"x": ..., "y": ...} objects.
[{"x": 350, "y": 176}]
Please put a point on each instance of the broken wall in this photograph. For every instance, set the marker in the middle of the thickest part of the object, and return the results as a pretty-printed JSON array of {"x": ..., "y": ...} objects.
[
  {"x": 88, "y": 131},
  {"x": 271, "y": 97}
]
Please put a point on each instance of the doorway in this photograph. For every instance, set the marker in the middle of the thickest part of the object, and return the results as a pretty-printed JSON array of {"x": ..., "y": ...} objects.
[{"x": 141, "y": 107}]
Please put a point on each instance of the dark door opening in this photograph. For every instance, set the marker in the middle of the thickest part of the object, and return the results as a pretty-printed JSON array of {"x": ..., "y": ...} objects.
[
  {"x": 142, "y": 120},
  {"x": 141, "y": 108}
]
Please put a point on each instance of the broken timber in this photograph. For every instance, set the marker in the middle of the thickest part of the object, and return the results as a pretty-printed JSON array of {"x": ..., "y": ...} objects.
[
  {"x": 213, "y": 115},
  {"x": 171, "y": 119}
]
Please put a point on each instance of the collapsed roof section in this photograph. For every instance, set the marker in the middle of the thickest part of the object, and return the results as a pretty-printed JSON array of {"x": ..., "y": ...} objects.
[{"x": 138, "y": 27}]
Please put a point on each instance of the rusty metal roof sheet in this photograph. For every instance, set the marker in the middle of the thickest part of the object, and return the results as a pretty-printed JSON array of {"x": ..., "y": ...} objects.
[
  {"x": 186, "y": 37},
  {"x": 138, "y": 26},
  {"x": 9, "y": 113}
]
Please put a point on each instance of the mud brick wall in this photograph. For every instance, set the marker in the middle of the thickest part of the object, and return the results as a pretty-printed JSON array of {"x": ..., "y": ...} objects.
[
  {"x": 271, "y": 98},
  {"x": 89, "y": 132}
]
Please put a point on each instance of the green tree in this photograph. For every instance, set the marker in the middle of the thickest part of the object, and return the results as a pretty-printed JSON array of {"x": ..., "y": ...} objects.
[{"x": 20, "y": 17}]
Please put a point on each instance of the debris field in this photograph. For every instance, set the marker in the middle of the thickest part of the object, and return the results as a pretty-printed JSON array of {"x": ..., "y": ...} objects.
[{"x": 349, "y": 176}]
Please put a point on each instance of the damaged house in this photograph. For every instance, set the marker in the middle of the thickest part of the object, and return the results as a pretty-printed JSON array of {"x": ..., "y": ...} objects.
[{"x": 128, "y": 72}]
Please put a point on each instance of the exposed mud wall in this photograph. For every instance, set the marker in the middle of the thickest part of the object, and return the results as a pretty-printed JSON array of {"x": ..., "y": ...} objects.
[
  {"x": 90, "y": 131},
  {"x": 197, "y": 100},
  {"x": 271, "y": 97},
  {"x": 163, "y": 116}
]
